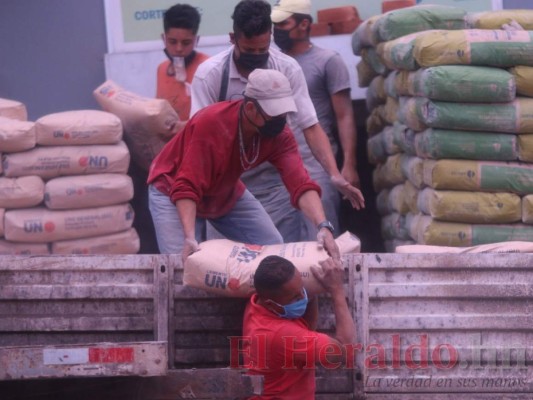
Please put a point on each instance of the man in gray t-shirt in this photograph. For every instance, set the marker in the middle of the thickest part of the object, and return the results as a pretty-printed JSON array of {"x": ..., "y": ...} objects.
[{"x": 329, "y": 88}]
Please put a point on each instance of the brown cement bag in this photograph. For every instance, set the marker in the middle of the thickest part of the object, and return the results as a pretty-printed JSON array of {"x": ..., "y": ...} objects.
[
  {"x": 527, "y": 209},
  {"x": 143, "y": 120},
  {"x": 126, "y": 242},
  {"x": 51, "y": 162},
  {"x": 496, "y": 19},
  {"x": 524, "y": 79},
  {"x": 23, "y": 192},
  {"x": 470, "y": 207},
  {"x": 13, "y": 109},
  {"x": 525, "y": 148},
  {"x": 16, "y": 135},
  {"x": 486, "y": 176},
  {"x": 23, "y": 249},
  {"x": 502, "y": 247},
  {"x": 78, "y": 127},
  {"x": 73, "y": 192},
  {"x": 227, "y": 268},
  {"x": 2, "y": 212},
  {"x": 39, "y": 225}
]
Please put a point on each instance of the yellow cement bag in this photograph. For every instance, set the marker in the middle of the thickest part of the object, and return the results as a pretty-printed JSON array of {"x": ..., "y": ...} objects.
[
  {"x": 40, "y": 225},
  {"x": 497, "y": 48},
  {"x": 438, "y": 233},
  {"x": 78, "y": 127},
  {"x": 8, "y": 248},
  {"x": 413, "y": 170},
  {"x": 525, "y": 148},
  {"x": 470, "y": 207},
  {"x": 497, "y": 19},
  {"x": 227, "y": 268},
  {"x": 16, "y": 135},
  {"x": 412, "y": 223},
  {"x": 390, "y": 173},
  {"x": 527, "y": 209},
  {"x": 23, "y": 192},
  {"x": 2, "y": 212},
  {"x": 53, "y": 161},
  {"x": 524, "y": 79},
  {"x": 503, "y": 247},
  {"x": 13, "y": 109},
  {"x": 375, "y": 122},
  {"x": 365, "y": 73},
  {"x": 411, "y": 196},
  {"x": 143, "y": 120},
  {"x": 485, "y": 176},
  {"x": 73, "y": 192},
  {"x": 126, "y": 242}
]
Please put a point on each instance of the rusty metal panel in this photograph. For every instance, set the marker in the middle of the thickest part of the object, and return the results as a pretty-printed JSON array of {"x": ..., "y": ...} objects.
[
  {"x": 100, "y": 359},
  {"x": 446, "y": 323}
]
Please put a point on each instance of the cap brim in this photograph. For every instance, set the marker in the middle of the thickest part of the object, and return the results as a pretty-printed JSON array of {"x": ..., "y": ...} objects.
[
  {"x": 275, "y": 107},
  {"x": 278, "y": 15}
]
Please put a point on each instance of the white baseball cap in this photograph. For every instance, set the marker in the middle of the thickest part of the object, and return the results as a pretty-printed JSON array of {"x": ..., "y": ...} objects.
[
  {"x": 283, "y": 9},
  {"x": 272, "y": 91}
]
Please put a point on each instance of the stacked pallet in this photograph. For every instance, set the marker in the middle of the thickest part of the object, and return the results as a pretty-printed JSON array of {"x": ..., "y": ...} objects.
[
  {"x": 64, "y": 188},
  {"x": 452, "y": 127}
]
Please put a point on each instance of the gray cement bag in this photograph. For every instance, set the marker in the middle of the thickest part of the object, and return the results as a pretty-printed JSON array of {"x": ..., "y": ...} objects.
[
  {"x": 8, "y": 248},
  {"x": 13, "y": 109},
  {"x": 23, "y": 192},
  {"x": 73, "y": 192},
  {"x": 227, "y": 268},
  {"x": 40, "y": 225},
  {"x": 16, "y": 135},
  {"x": 54, "y": 161},
  {"x": 79, "y": 127},
  {"x": 126, "y": 242}
]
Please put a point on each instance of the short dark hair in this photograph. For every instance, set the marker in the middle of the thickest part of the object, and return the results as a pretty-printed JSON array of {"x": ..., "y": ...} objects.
[
  {"x": 272, "y": 273},
  {"x": 182, "y": 16},
  {"x": 251, "y": 18}
]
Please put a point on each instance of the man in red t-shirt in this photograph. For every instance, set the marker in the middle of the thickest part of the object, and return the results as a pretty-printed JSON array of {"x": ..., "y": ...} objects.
[{"x": 279, "y": 337}]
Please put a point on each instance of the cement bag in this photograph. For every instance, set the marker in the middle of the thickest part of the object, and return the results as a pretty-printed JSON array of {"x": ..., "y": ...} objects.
[
  {"x": 470, "y": 207},
  {"x": 13, "y": 109},
  {"x": 39, "y": 225},
  {"x": 399, "y": 83},
  {"x": 227, "y": 268},
  {"x": 525, "y": 148},
  {"x": 375, "y": 122},
  {"x": 465, "y": 84},
  {"x": 410, "y": 112},
  {"x": 440, "y": 143},
  {"x": 73, "y": 192},
  {"x": 143, "y": 119},
  {"x": 54, "y": 161},
  {"x": 497, "y": 48},
  {"x": 388, "y": 141},
  {"x": 390, "y": 245},
  {"x": 513, "y": 117},
  {"x": 372, "y": 58},
  {"x": 382, "y": 202},
  {"x": 126, "y": 242},
  {"x": 391, "y": 171},
  {"x": 503, "y": 247},
  {"x": 398, "y": 53},
  {"x": 393, "y": 227},
  {"x": 2, "y": 213},
  {"x": 404, "y": 138},
  {"x": 397, "y": 200},
  {"x": 461, "y": 235},
  {"x": 523, "y": 76},
  {"x": 527, "y": 209},
  {"x": 23, "y": 192},
  {"x": 390, "y": 110},
  {"x": 376, "y": 149},
  {"x": 365, "y": 73},
  {"x": 404, "y": 21},
  {"x": 413, "y": 170},
  {"x": 23, "y": 249},
  {"x": 16, "y": 135},
  {"x": 496, "y": 19},
  {"x": 411, "y": 196},
  {"x": 375, "y": 94},
  {"x": 78, "y": 127},
  {"x": 486, "y": 176},
  {"x": 364, "y": 35},
  {"x": 412, "y": 222}
]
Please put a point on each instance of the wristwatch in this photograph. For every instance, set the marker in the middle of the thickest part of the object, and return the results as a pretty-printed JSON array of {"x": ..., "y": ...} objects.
[{"x": 326, "y": 224}]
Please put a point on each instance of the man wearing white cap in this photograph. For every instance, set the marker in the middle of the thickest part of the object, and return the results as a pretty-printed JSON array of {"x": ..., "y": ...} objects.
[
  {"x": 223, "y": 77},
  {"x": 196, "y": 176},
  {"x": 328, "y": 81}
]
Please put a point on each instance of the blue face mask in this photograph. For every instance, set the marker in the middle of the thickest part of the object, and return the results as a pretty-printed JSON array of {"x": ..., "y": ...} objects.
[{"x": 294, "y": 310}]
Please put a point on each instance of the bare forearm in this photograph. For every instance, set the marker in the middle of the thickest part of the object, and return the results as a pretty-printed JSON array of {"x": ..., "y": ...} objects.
[
  {"x": 311, "y": 206},
  {"x": 318, "y": 142},
  {"x": 345, "y": 326},
  {"x": 187, "y": 213}
]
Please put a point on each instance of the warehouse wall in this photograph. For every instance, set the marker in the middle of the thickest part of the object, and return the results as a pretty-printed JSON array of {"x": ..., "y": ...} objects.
[{"x": 51, "y": 53}]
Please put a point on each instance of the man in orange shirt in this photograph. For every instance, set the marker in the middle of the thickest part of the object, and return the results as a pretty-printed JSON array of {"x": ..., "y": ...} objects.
[{"x": 174, "y": 76}]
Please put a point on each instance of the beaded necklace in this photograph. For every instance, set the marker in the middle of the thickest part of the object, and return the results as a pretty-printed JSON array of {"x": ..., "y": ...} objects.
[{"x": 246, "y": 162}]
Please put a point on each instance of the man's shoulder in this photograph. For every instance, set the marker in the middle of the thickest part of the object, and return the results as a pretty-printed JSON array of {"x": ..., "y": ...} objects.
[
  {"x": 282, "y": 61},
  {"x": 212, "y": 66}
]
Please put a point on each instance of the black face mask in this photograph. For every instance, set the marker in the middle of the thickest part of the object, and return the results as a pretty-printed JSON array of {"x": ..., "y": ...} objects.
[
  {"x": 251, "y": 61},
  {"x": 282, "y": 39},
  {"x": 272, "y": 127}
]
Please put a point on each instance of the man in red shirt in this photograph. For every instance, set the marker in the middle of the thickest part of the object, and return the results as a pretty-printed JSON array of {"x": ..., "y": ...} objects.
[
  {"x": 280, "y": 341},
  {"x": 196, "y": 176}
]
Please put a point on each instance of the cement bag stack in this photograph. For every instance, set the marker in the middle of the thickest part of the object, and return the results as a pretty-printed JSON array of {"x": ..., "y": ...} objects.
[
  {"x": 64, "y": 188},
  {"x": 385, "y": 44}
]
